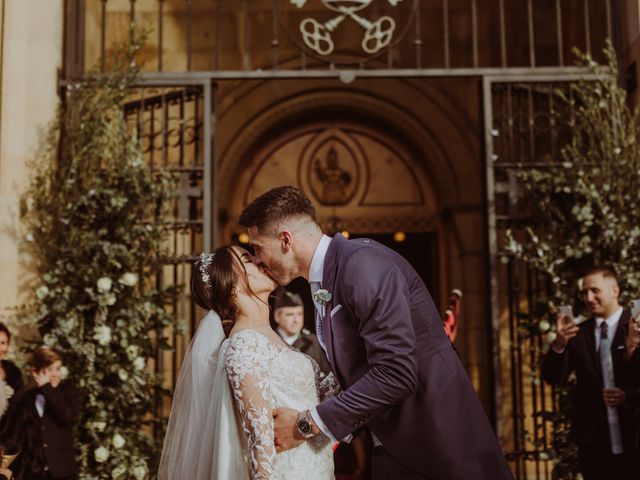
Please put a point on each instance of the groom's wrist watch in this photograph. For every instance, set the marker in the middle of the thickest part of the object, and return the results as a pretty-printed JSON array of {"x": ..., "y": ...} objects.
[{"x": 306, "y": 426}]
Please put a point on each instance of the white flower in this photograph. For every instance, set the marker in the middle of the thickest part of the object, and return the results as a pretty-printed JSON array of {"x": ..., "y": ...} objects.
[
  {"x": 42, "y": 292},
  {"x": 129, "y": 279},
  {"x": 321, "y": 296},
  {"x": 139, "y": 363},
  {"x": 119, "y": 471},
  {"x": 64, "y": 372},
  {"x": 110, "y": 299},
  {"x": 132, "y": 351},
  {"x": 124, "y": 376},
  {"x": 118, "y": 441},
  {"x": 49, "y": 340},
  {"x": 102, "y": 334},
  {"x": 544, "y": 325},
  {"x": 30, "y": 237},
  {"x": 551, "y": 336},
  {"x": 140, "y": 472},
  {"x": 104, "y": 284},
  {"x": 100, "y": 426},
  {"x": 101, "y": 454}
]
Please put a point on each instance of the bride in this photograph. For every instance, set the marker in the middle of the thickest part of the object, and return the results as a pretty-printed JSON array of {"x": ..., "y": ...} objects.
[{"x": 221, "y": 423}]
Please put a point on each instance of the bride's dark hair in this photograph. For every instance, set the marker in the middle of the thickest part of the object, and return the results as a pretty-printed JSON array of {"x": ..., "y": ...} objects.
[{"x": 213, "y": 279}]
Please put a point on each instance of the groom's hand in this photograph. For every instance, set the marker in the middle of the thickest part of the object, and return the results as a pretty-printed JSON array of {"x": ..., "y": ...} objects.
[{"x": 286, "y": 433}]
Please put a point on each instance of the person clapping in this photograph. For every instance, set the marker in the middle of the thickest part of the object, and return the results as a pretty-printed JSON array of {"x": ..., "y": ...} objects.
[{"x": 41, "y": 424}]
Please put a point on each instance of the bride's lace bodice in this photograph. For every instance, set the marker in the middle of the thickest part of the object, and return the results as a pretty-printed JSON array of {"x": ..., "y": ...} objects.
[{"x": 264, "y": 376}]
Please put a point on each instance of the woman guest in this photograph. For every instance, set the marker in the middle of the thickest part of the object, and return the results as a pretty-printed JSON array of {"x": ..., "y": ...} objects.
[
  {"x": 9, "y": 372},
  {"x": 42, "y": 422}
]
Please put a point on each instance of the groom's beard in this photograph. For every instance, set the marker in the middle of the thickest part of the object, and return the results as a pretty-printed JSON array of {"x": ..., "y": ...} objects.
[
  {"x": 283, "y": 269},
  {"x": 280, "y": 275}
]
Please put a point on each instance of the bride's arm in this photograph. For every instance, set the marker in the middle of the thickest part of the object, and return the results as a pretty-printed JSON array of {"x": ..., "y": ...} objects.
[{"x": 247, "y": 371}]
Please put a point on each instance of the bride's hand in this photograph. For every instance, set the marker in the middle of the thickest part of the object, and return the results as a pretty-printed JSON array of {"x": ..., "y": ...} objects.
[{"x": 286, "y": 435}]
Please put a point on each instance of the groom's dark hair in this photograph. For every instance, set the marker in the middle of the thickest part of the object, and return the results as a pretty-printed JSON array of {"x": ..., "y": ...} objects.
[{"x": 277, "y": 204}]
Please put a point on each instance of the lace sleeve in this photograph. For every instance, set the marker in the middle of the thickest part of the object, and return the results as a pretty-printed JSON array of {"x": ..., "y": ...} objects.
[{"x": 247, "y": 367}]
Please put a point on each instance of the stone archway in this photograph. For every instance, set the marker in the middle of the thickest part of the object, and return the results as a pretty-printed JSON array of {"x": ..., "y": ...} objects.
[{"x": 361, "y": 178}]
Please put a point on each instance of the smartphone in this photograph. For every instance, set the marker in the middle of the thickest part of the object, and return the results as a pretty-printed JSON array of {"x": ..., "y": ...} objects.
[
  {"x": 566, "y": 311},
  {"x": 635, "y": 307}
]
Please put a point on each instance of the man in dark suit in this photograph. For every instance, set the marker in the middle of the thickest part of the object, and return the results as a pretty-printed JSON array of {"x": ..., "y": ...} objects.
[
  {"x": 385, "y": 343},
  {"x": 605, "y": 436},
  {"x": 288, "y": 313}
]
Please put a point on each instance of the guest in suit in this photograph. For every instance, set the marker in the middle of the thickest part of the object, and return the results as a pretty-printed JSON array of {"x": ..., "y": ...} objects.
[
  {"x": 43, "y": 420},
  {"x": 577, "y": 349},
  {"x": 288, "y": 314},
  {"x": 400, "y": 376},
  {"x": 633, "y": 356}
]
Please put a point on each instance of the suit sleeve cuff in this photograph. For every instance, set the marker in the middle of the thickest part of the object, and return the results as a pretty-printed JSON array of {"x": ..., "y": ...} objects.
[
  {"x": 320, "y": 424},
  {"x": 323, "y": 428}
]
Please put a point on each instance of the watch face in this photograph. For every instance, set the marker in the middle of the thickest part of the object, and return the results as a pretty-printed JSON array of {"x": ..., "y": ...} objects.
[{"x": 304, "y": 426}]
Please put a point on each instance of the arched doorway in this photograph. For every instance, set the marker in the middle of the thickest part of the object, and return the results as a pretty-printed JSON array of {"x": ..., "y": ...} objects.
[{"x": 363, "y": 180}]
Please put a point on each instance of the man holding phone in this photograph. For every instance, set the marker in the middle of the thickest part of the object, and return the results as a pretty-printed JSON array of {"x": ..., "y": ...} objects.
[{"x": 602, "y": 417}]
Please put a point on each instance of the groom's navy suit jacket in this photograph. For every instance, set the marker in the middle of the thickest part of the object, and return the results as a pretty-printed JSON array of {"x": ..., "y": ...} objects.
[{"x": 399, "y": 372}]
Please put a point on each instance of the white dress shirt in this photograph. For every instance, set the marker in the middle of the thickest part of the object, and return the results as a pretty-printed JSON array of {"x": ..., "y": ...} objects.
[
  {"x": 290, "y": 339},
  {"x": 612, "y": 326},
  {"x": 315, "y": 275}
]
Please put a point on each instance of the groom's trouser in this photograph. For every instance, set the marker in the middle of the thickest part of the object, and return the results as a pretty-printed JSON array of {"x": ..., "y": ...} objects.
[{"x": 385, "y": 467}]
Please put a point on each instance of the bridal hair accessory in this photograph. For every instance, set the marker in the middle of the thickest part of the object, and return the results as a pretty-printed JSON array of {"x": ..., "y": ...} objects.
[{"x": 205, "y": 261}]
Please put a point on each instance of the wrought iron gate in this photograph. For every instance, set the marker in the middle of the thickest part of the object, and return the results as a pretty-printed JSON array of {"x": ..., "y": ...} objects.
[
  {"x": 522, "y": 131},
  {"x": 174, "y": 126}
]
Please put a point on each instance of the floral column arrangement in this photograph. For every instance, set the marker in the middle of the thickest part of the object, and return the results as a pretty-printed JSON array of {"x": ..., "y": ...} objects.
[{"x": 93, "y": 215}]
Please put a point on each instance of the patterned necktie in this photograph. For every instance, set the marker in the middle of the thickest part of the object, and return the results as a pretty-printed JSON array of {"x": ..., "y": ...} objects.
[
  {"x": 319, "y": 310},
  {"x": 609, "y": 382}
]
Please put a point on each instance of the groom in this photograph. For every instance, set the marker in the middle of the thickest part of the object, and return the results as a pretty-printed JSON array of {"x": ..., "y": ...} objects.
[{"x": 386, "y": 345}]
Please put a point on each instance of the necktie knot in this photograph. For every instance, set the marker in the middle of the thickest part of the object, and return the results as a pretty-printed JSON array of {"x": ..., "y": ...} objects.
[{"x": 604, "y": 330}]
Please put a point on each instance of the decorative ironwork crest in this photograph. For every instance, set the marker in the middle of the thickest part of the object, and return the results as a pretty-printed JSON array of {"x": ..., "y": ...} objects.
[{"x": 319, "y": 35}]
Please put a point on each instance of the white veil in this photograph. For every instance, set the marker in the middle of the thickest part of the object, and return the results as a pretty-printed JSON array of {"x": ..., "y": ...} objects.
[{"x": 203, "y": 440}]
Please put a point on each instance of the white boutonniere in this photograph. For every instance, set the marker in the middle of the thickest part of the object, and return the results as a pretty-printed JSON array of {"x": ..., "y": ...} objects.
[{"x": 322, "y": 296}]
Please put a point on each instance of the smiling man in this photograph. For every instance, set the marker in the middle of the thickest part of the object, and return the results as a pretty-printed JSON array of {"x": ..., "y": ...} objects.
[
  {"x": 602, "y": 420},
  {"x": 383, "y": 337}
]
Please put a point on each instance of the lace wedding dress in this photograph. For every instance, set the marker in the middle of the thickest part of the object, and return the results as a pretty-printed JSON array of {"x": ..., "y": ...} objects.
[{"x": 264, "y": 376}]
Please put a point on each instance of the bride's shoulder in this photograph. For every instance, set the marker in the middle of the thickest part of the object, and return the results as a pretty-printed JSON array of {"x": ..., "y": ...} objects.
[
  {"x": 245, "y": 335},
  {"x": 245, "y": 348},
  {"x": 245, "y": 339}
]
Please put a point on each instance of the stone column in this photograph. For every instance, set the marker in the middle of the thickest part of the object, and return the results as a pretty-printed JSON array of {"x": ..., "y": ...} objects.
[{"x": 31, "y": 45}]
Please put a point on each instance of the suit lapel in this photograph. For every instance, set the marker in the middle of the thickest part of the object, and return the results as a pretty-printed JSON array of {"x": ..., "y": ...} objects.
[
  {"x": 617, "y": 353},
  {"x": 329, "y": 272}
]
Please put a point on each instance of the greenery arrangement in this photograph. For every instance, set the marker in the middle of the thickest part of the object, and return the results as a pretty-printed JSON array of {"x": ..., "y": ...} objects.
[
  {"x": 585, "y": 210},
  {"x": 93, "y": 215}
]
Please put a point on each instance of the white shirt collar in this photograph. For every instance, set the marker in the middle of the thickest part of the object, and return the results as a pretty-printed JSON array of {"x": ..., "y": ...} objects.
[
  {"x": 290, "y": 339},
  {"x": 612, "y": 321},
  {"x": 317, "y": 262}
]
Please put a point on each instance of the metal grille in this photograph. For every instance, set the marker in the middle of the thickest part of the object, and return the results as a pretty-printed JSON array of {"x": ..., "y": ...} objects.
[
  {"x": 523, "y": 131},
  {"x": 264, "y": 37},
  {"x": 170, "y": 123}
]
